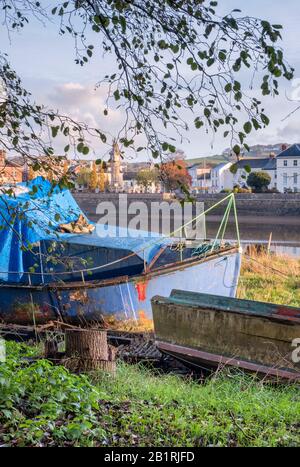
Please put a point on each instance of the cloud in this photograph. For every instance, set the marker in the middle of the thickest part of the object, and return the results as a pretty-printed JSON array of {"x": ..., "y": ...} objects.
[
  {"x": 290, "y": 131},
  {"x": 85, "y": 103}
]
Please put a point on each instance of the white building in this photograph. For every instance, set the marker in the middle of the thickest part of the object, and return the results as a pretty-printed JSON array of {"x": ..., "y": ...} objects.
[
  {"x": 245, "y": 166},
  {"x": 221, "y": 177},
  {"x": 288, "y": 169},
  {"x": 200, "y": 178}
]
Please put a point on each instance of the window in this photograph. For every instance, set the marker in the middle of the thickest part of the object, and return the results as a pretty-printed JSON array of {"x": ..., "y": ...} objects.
[
  {"x": 285, "y": 163},
  {"x": 295, "y": 163},
  {"x": 295, "y": 178},
  {"x": 285, "y": 180}
]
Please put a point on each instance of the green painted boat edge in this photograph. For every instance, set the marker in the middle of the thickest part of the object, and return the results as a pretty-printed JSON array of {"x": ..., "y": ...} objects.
[{"x": 229, "y": 304}]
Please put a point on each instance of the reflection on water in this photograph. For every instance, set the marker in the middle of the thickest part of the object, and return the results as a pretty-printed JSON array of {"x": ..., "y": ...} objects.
[
  {"x": 285, "y": 238},
  {"x": 286, "y": 249}
]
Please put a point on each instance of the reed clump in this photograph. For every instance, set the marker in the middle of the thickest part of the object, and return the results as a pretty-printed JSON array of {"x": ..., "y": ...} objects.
[{"x": 270, "y": 278}]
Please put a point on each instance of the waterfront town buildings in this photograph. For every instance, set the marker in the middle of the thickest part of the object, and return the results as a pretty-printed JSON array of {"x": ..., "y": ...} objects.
[
  {"x": 11, "y": 171},
  {"x": 117, "y": 176},
  {"x": 283, "y": 169}
]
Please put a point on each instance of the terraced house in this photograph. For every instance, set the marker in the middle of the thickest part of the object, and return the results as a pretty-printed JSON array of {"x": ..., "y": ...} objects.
[{"x": 288, "y": 169}]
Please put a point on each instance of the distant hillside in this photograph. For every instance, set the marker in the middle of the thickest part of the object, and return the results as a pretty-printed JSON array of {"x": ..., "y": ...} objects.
[
  {"x": 260, "y": 150},
  {"x": 135, "y": 166},
  {"x": 206, "y": 161},
  {"x": 211, "y": 161}
]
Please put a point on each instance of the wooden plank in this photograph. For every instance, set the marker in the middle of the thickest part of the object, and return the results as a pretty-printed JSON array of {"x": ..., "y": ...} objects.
[{"x": 213, "y": 360}]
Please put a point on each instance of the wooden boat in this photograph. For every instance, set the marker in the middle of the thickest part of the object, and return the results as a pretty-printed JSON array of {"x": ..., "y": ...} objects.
[
  {"x": 90, "y": 277},
  {"x": 209, "y": 331}
]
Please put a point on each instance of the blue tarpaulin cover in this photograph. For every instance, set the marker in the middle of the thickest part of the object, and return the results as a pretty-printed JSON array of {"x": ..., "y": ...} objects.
[{"x": 34, "y": 213}]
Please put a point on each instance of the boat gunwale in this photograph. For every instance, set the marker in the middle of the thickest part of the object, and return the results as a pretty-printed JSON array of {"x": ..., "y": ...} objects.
[
  {"x": 145, "y": 276},
  {"x": 273, "y": 316}
]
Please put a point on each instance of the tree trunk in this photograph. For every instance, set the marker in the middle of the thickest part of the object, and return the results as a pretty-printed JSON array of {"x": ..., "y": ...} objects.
[
  {"x": 51, "y": 350},
  {"x": 87, "y": 350}
]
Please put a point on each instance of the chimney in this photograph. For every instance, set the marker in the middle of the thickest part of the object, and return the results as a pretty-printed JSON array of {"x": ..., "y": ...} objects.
[
  {"x": 2, "y": 157},
  {"x": 283, "y": 147}
]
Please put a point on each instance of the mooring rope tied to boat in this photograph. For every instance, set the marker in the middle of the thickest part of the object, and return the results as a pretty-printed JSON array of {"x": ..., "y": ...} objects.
[{"x": 231, "y": 203}]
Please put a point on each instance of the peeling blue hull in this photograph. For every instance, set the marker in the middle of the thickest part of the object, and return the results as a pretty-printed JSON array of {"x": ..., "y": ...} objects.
[{"x": 121, "y": 298}]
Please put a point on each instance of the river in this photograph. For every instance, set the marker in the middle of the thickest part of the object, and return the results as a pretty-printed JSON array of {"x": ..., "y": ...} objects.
[
  {"x": 257, "y": 229},
  {"x": 285, "y": 230}
]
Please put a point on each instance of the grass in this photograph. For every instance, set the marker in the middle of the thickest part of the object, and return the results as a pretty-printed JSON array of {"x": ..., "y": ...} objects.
[
  {"x": 225, "y": 411},
  {"x": 274, "y": 278},
  {"x": 45, "y": 405}
]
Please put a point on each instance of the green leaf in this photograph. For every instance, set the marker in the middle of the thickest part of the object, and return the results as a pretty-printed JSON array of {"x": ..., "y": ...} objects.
[
  {"x": 265, "y": 119},
  {"x": 255, "y": 124},
  {"x": 248, "y": 127},
  {"x": 117, "y": 95},
  {"x": 54, "y": 131},
  {"x": 222, "y": 56},
  {"x": 233, "y": 169},
  {"x": 236, "y": 149},
  {"x": 80, "y": 147},
  {"x": 207, "y": 112},
  {"x": 198, "y": 123},
  {"x": 228, "y": 87}
]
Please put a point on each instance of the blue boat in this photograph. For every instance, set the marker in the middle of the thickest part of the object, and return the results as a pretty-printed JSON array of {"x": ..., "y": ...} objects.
[{"x": 103, "y": 274}]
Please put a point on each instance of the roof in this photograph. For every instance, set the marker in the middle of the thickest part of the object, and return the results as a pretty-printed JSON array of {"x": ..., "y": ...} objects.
[
  {"x": 13, "y": 163},
  {"x": 292, "y": 151},
  {"x": 221, "y": 165},
  {"x": 264, "y": 164},
  {"x": 194, "y": 166}
]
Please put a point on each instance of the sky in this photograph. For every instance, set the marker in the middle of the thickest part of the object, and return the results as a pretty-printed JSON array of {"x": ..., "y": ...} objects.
[{"x": 45, "y": 62}]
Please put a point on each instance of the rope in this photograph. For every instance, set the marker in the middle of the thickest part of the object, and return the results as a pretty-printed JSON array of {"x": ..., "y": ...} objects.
[
  {"x": 223, "y": 224},
  {"x": 203, "y": 249},
  {"x": 148, "y": 245},
  {"x": 236, "y": 222}
]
